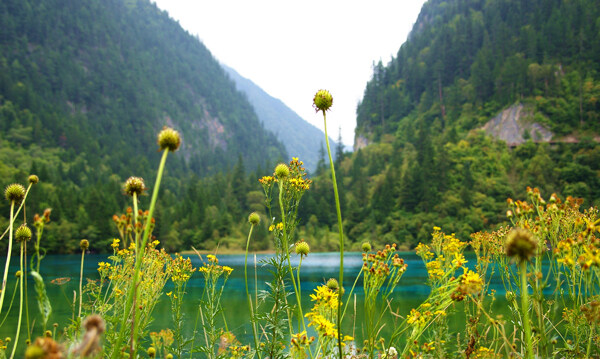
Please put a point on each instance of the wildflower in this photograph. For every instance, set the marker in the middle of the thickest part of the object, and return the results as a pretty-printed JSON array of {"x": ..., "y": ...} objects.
[
  {"x": 212, "y": 258},
  {"x": 520, "y": 243},
  {"x": 84, "y": 244},
  {"x": 90, "y": 343},
  {"x": 282, "y": 171},
  {"x": 151, "y": 352},
  {"x": 302, "y": 248},
  {"x": 169, "y": 139},
  {"x": 134, "y": 185},
  {"x": 322, "y": 100},
  {"x": 333, "y": 284},
  {"x": 227, "y": 270},
  {"x": 366, "y": 247},
  {"x": 254, "y": 218},
  {"x": 14, "y": 193},
  {"x": 115, "y": 243},
  {"x": 43, "y": 348},
  {"x": 33, "y": 179},
  {"x": 23, "y": 233}
]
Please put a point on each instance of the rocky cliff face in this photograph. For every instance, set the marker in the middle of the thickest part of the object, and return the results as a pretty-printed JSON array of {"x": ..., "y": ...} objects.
[{"x": 515, "y": 125}]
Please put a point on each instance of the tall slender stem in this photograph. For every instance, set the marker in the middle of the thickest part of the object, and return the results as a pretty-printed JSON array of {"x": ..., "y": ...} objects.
[
  {"x": 138, "y": 260},
  {"x": 8, "y": 255},
  {"x": 14, "y": 350},
  {"x": 81, "y": 282},
  {"x": 525, "y": 310},
  {"x": 287, "y": 254},
  {"x": 254, "y": 334},
  {"x": 341, "y": 233}
]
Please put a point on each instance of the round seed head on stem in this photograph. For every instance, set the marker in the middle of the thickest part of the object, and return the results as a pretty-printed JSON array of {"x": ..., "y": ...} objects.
[
  {"x": 134, "y": 185},
  {"x": 33, "y": 179},
  {"x": 23, "y": 233},
  {"x": 322, "y": 100},
  {"x": 254, "y": 218},
  {"x": 366, "y": 247},
  {"x": 282, "y": 171},
  {"x": 84, "y": 244},
  {"x": 169, "y": 139},
  {"x": 302, "y": 248},
  {"x": 521, "y": 244},
  {"x": 333, "y": 284},
  {"x": 14, "y": 192}
]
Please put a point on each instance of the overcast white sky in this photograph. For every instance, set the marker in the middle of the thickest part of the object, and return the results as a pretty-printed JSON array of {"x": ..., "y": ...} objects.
[{"x": 292, "y": 49}]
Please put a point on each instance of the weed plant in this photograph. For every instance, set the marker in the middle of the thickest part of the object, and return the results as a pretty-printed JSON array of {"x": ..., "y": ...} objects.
[{"x": 548, "y": 259}]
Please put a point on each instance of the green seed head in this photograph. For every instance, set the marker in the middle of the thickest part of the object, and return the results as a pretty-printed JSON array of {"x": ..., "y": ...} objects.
[
  {"x": 48, "y": 334},
  {"x": 169, "y": 139},
  {"x": 322, "y": 101},
  {"x": 151, "y": 352},
  {"x": 18, "y": 274},
  {"x": 84, "y": 244},
  {"x": 23, "y": 233},
  {"x": 134, "y": 185},
  {"x": 33, "y": 179},
  {"x": 366, "y": 247},
  {"x": 14, "y": 193},
  {"x": 521, "y": 243},
  {"x": 169, "y": 356},
  {"x": 333, "y": 284},
  {"x": 254, "y": 218},
  {"x": 302, "y": 248},
  {"x": 282, "y": 171}
]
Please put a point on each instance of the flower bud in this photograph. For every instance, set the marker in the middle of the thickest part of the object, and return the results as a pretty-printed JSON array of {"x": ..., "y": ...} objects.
[
  {"x": 333, "y": 284},
  {"x": 134, "y": 185},
  {"x": 23, "y": 233},
  {"x": 302, "y": 248},
  {"x": 282, "y": 171},
  {"x": 84, "y": 244},
  {"x": 169, "y": 139},
  {"x": 366, "y": 247},
  {"x": 33, "y": 179},
  {"x": 254, "y": 218},
  {"x": 18, "y": 274},
  {"x": 322, "y": 100},
  {"x": 151, "y": 352},
  {"x": 14, "y": 193},
  {"x": 521, "y": 243}
]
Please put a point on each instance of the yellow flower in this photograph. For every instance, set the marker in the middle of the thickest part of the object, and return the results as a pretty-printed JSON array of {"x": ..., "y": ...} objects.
[
  {"x": 115, "y": 243},
  {"x": 227, "y": 269}
]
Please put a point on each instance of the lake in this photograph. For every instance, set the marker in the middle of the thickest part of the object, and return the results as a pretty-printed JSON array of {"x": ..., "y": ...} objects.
[{"x": 317, "y": 268}]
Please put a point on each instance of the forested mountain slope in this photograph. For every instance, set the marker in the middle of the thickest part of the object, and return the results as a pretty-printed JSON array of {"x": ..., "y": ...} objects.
[
  {"x": 86, "y": 85},
  {"x": 420, "y": 157},
  {"x": 300, "y": 138}
]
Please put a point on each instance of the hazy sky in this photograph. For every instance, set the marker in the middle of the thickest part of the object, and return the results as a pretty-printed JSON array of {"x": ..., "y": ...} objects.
[{"x": 292, "y": 49}]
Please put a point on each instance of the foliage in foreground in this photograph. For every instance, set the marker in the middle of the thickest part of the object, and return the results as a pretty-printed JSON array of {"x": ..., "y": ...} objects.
[{"x": 548, "y": 260}]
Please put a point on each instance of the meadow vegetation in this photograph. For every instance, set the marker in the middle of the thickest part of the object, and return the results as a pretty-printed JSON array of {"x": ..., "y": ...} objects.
[{"x": 548, "y": 258}]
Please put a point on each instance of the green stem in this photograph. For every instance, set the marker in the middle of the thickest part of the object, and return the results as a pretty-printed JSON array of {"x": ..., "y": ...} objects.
[
  {"x": 138, "y": 260},
  {"x": 525, "y": 310},
  {"x": 341, "y": 232},
  {"x": 26, "y": 300},
  {"x": 248, "y": 295},
  {"x": 287, "y": 255},
  {"x": 12, "y": 355},
  {"x": 589, "y": 344},
  {"x": 8, "y": 255},
  {"x": 81, "y": 282}
]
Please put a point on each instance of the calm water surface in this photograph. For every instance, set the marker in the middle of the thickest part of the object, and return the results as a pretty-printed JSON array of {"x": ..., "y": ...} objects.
[{"x": 316, "y": 269}]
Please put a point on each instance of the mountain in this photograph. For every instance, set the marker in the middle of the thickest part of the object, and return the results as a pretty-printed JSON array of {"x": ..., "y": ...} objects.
[
  {"x": 429, "y": 148},
  {"x": 301, "y": 139},
  {"x": 86, "y": 85}
]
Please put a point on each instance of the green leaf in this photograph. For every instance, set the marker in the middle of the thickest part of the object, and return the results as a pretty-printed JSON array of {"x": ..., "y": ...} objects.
[{"x": 42, "y": 298}]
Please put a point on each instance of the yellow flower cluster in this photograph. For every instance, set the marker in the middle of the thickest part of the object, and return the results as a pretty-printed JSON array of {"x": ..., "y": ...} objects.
[
  {"x": 443, "y": 256},
  {"x": 322, "y": 313},
  {"x": 115, "y": 243},
  {"x": 181, "y": 269},
  {"x": 278, "y": 226}
]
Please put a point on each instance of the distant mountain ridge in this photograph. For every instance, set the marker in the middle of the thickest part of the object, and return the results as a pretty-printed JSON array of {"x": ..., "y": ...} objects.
[{"x": 300, "y": 138}]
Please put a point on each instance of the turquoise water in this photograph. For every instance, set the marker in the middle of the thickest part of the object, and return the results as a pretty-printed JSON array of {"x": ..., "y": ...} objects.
[{"x": 317, "y": 268}]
